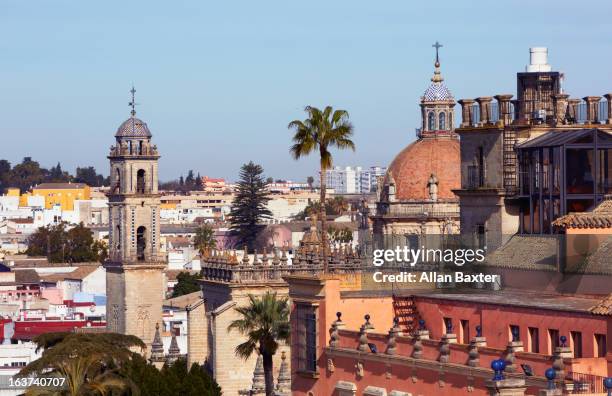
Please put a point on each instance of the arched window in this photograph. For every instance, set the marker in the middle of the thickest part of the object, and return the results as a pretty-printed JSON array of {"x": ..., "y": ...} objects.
[
  {"x": 141, "y": 242},
  {"x": 442, "y": 121},
  {"x": 140, "y": 181},
  {"x": 140, "y": 147},
  {"x": 117, "y": 186},
  {"x": 431, "y": 121},
  {"x": 118, "y": 236}
]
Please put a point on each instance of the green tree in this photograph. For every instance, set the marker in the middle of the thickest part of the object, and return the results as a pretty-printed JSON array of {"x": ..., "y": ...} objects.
[
  {"x": 310, "y": 181},
  {"x": 204, "y": 239},
  {"x": 199, "y": 186},
  {"x": 63, "y": 245},
  {"x": 186, "y": 283},
  {"x": 319, "y": 132},
  {"x": 89, "y": 362},
  {"x": 89, "y": 176},
  {"x": 172, "y": 380},
  {"x": 249, "y": 205},
  {"x": 265, "y": 323},
  {"x": 27, "y": 174},
  {"x": 343, "y": 235},
  {"x": 5, "y": 171}
]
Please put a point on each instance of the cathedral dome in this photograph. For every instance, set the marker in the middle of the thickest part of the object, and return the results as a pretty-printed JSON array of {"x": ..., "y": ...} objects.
[
  {"x": 133, "y": 127},
  {"x": 410, "y": 171},
  {"x": 437, "y": 91}
]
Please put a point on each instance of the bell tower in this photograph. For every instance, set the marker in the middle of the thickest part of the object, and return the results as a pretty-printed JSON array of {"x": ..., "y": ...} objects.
[{"x": 134, "y": 282}]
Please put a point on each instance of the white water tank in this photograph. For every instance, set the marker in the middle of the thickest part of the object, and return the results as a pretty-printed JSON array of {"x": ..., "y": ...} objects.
[{"x": 538, "y": 60}]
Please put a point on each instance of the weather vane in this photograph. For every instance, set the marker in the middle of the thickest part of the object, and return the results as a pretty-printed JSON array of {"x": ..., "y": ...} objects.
[
  {"x": 437, "y": 46},
  {"x": 133, "y": 103}
]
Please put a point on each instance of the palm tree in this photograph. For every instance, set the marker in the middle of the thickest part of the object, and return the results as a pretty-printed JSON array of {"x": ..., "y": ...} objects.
[
  {"x": 321, "y": 131},
  {"x": 204, "y": 239},
  {"x": 265, "y": 323},
  {"x": 89, "y": 362}
]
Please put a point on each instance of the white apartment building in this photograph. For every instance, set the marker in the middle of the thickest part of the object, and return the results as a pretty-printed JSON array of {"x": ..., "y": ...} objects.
[{"x": 354, "y": 180}]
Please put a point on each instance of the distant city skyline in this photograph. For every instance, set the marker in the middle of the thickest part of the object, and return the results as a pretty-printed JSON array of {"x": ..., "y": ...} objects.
[{"x": 218, "y": 86}]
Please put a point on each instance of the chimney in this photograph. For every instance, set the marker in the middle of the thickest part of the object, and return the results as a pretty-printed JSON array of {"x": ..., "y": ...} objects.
[
  {"x": 503, "y": 105},
  {"x": 538, "y": 60},
  {"x": 572, "y": 110},
  {"x": 592, "y": 109},
  {"x": 467, "y": 119},
  {"x": 484, "y": 102},
  {"x": 609, "y": 99},
  {"x": 559, "y": 108}
]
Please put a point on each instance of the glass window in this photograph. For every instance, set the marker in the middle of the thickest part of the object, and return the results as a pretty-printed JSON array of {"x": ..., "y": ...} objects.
[
  {"x": 579, "y": 205},
  {"x": 604, "y": 178},
  {"x": 442, "y": 121},
  {"x": 431, "y": 121},
  {"x": 580, "y": 165}
]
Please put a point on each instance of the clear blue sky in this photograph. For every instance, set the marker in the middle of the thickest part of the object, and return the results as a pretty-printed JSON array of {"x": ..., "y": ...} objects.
[{"x": 219, "y": 81}]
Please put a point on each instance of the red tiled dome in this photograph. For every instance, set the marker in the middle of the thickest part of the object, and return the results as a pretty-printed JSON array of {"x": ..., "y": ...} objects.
[{"x": 413, "y": 166}]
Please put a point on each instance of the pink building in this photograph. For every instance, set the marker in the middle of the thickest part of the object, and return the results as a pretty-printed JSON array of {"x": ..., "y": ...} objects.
[{"x": 443, "y": 343}]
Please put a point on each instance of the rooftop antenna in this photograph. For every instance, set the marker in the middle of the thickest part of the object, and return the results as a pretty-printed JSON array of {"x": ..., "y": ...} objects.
[{"x": 133, "y": 103}]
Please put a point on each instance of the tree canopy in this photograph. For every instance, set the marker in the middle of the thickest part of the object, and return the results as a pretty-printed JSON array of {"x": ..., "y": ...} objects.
[
  {"x": 186, "y": 283},
  {"x": 204, "y": 239},
  {"x": 29, "y": 173},
  {"x": 66, "y": 245},
  {"x": 249, "y": 206},
  {"x": 106, "y": 364},
  {"x": 88, "y": 362}
]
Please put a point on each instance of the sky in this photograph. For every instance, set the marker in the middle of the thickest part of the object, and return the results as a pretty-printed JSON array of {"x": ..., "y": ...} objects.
[{"x": 218, "y": 82}]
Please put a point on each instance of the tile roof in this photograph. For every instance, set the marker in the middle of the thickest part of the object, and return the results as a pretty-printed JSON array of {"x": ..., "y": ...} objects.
[
  {"x": 526, "y": 252},
  {"x": 183, "y": 301},
  {"x": 604, "y": 307},
  {"x": 599, "y": 217},
  {"x": 26, "y": 276},
  {"x": 78, "y": 274}
]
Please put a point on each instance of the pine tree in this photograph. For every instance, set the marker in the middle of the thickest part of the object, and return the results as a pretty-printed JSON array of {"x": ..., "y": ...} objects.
[
  {"x": 249, "y": 205},
  {"x": 199, "y": 186}
]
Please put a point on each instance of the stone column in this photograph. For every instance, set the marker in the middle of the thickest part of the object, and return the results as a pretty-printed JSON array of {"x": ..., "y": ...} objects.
[
  {"x": 506, "y": 387},
  {"x": 609, "y": 99},
  {"x": 560, "y": 353},
  {"x": 513, "y": 347},
  {"x": 503, "y": 105},
  {"x": 592, "y": 105},
  {"x": 447, "y": 339},
  {"x": 467, "y": 113},
  {"x": 484, "y": 102},
  {"x": 559, "y": 108}
]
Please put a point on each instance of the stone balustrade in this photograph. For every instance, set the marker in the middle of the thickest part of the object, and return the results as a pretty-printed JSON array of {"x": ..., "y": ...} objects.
[
  {"x": 224, "y": 266},
  {"x": 446, "y": 358}
]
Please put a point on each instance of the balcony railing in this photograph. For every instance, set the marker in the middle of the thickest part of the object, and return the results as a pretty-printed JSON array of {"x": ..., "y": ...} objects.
[{"x": 584, "y": 383}]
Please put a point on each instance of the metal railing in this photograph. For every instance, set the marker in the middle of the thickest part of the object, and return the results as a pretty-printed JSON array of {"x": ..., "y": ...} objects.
[{"x": 579, "y": 383}]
